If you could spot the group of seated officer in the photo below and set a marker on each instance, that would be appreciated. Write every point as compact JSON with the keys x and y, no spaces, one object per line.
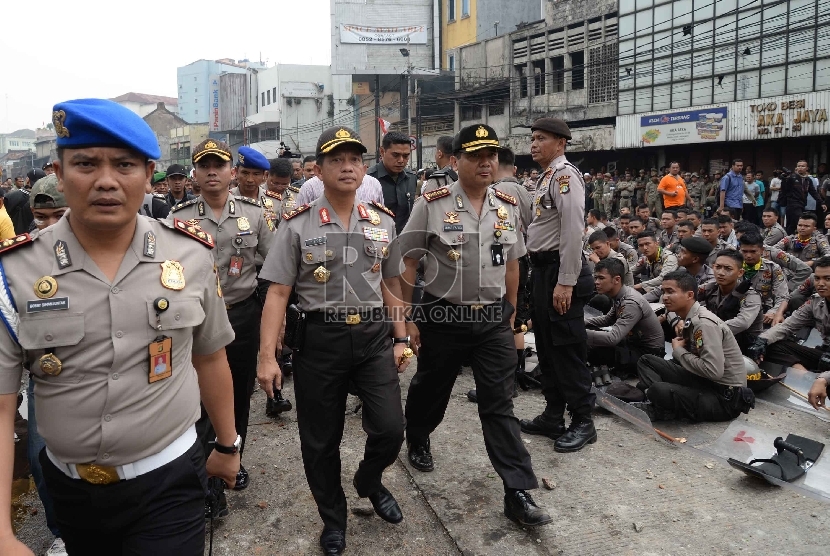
{"x":714,"y":316}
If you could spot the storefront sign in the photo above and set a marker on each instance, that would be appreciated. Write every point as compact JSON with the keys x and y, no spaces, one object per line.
{"x":790,"y":117}
{"x":213,"y":100}
{"x":362,"y":34}
{"x":677,"y":128}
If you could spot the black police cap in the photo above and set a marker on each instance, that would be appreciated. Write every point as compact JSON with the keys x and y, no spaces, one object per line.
{"x":696,"y":245}
{"x":475,"y":137}
{"x":552,"y":125}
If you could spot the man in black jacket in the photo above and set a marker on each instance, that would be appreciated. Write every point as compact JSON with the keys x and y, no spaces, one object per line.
{"x":399,"y":184}
{"x":794,"y":191}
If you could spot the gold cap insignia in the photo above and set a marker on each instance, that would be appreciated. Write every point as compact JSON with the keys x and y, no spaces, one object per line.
{"x":58,"y":117}
{"x":482,"y":132}
{"x":343,"y":134}
{"x":210,"y":145}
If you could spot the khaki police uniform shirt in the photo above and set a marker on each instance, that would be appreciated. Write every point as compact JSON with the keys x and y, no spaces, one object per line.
{"x":813,"y":314}
{"x":628,"y":277}
{"x":102,"y":408}
{"x":749,"y":317}
{"x":711,"y":350}
{"x":815,"y":248}
{"x":796,"y":271}
{"x":773,"y":234}
{"x":771,"y":284}
{"x":626,"y":189}
{"x":630,"y":253}
{"x":713,"y":254}
{"x":656,"y":270}
{"x":313,"y":241}
{"x":695,"y":189}
{"x":558,"y":219}
{"x":437,"y":180}
{"x":446,"y":227}
{"x":630,"y":318}
{"x":240,"y":230}
{"x":512,"y":187}
{"x":703,"y":276}
{"x":668,"y":240}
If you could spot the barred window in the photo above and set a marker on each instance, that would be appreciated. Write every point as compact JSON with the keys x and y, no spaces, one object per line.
{"x":602,"y":73}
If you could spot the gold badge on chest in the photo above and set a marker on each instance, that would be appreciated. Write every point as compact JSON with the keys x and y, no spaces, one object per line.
{"x":501,"y":212}
{"x":46,"y":287}
{"x":50,"y":364}
{"x":374,"y":217}
{"x":322,"y":274}
{"x":243,"y":224}
{"x":172,"y":275}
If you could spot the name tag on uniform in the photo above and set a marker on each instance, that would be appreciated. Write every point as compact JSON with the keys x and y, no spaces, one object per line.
{"x":235,"y":266}
{"x":161,"y":359}
{"x":453,"y":227}
{"x":54,"y":304}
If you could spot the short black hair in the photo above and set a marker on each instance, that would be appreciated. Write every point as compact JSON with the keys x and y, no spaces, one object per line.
{"x":281,"y":167}
{"x":647,"y":233}
{"x":309,"y":158}
{"x":626,"y":217}
{"x":772,"y":210}
{"x":599,"y":235}
{"x":394,"y":138}
{"x":686,"y":224}
{"x":603,"y":215}
{"x":444,"y":144}
{"x":610,"y":232}
{"x":752,"y":239}
{"x":709,"y":222}
{"x":596,"y":213}
{"x":685,"y":281}
{"x":694,"y":213}
{"x":506,"y":157}
{"x":724,"y":219}
{"x":638,"y":220}
{"x":667,"y":211}
{"x":732,"y":254}
{"x":745,"y":227}
{"x":642,"y":206}
{"x":736,"y":160}
{"x":614,"y":267}
{"x":822,"y":262}
{"x":809,"y":216}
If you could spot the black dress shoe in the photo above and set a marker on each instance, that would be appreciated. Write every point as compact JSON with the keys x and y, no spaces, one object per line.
{"x":420,"y":457}
{"x":216,"y":504}
{"x":386,"y":506}
{"x":520,"y":507}
{"x":242,"y":479}
{"x":276,"y":405}
{"x":287,"y":365}
{"x":333,"y":541}
{"x":580,"y":433}
{"x":544,"y":426}
{"x":472,"y":396}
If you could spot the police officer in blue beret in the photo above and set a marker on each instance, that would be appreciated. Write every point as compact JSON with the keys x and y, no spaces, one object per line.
{"x":250,"y":173}
{"x":124,"y":329}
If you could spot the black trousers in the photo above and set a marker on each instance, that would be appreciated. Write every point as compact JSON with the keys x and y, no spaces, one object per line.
{"x":161,"y":512}
{"x":486,"y":340}
{"x":623,"y":357}
{"x":674,"y":390}
{"x":333,"y":355}
{"x":788,"y":353}
{"x":793,"y":213}
{"x":242,"y":357}
{"x":561,"y":343}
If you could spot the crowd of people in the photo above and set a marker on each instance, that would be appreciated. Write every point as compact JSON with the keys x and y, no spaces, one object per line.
{"x":132,"y":296}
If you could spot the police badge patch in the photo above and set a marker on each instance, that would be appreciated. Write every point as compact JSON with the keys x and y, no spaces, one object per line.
{"x":698,"y":339}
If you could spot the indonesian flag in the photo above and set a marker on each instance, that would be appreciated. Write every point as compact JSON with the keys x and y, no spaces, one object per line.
{"x":384,"y":125}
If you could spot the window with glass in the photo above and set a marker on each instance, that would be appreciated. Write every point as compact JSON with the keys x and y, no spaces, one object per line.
{"x":465,"y":8}
{"x":450,"y":10}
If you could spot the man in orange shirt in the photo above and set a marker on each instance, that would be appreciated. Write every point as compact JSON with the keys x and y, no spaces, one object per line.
{"x":673,"y":188}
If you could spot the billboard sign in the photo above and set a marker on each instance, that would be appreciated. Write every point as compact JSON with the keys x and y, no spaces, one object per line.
{"x":677,"y":128}
{"x":363,"y":34}
{"x":213,"y":102}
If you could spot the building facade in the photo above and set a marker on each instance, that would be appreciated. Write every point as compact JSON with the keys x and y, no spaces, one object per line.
{"x":20,"y":140}
{"x":705,"y":81}
{"x":198,"y":86}
{"x":142,"y":104}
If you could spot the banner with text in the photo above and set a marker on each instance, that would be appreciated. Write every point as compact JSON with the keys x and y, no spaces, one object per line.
{"x":677,"y":128}
{"x":362,"y":34}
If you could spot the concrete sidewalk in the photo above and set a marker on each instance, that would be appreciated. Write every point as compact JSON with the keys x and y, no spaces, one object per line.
{"x":626,"y":494}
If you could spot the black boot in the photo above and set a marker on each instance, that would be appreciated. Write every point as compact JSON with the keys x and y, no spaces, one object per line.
{"x":287,"y":365}
{"x":580,"y":433}
{"x":520,"y":507}
{"x":242,"y":479}
{"x":216,"y":505}
{"x":544,"y":425}
{"x":276,"y":405}
{"x":420,"y":457}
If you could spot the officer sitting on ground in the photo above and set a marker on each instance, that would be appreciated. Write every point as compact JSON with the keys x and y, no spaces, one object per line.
{"x":706,"y":379}
{"x":767,"y":278}
{"x":634,"y":328}
{"x":807,"y":243}
{"x":776,"y":346}
{"x":601,"y":250}
{"x":655,"y":263}
{"x":691,"y":256}
{"x":733,"y":299}
{"x":621,"y":247}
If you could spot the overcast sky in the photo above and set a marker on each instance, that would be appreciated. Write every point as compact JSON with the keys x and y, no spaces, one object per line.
{"x":52,"y":50}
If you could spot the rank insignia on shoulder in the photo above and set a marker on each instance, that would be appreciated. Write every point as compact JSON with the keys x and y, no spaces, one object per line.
{"x":248,"y":200}
{"x":194,"y":231}
{"x":436,"y":194}
{"x":505,"y":197}
{"x":183,"y":205}
{"x":388,"y":211}
{"x":294,"y":188}
{"x":300,"y":209}
{"x":13,"y":242}
{"x":274,"y":195}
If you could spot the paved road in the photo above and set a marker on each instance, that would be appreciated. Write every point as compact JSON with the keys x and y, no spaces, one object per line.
{"x":626,"y":494}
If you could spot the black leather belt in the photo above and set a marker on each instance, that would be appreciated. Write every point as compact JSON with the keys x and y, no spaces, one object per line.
{"x":238,"y":304}
{"x":544,"y":258}
{"x":348,"y":316}
{"x":429,"y":299}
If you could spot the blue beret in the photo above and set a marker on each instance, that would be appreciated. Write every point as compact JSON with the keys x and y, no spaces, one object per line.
{"x":94,"y":122}
{"x":253,"y":159}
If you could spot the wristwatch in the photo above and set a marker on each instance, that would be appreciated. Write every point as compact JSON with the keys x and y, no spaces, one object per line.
{"x":404,"y":340}
{"x":233,"y":449}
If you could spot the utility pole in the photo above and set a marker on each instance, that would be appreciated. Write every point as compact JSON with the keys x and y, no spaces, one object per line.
{"x":418,"y":133}
{"x":377,"y":118}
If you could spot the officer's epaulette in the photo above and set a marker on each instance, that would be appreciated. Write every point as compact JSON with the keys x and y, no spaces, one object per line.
{"x":187,"y":204}
{"x":295,"y":212}
{"x":294,"y":188}
{"x":15,"y":242}
{"x":384,"y":208}
{"x":247,"y":200}
{"x":436,"y":194}
{"x":193,"y":231}
{"x":437,"y":174}
{"x":505,"y":197}
{"x":160,"y":196}
{"x":274,"y":195}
